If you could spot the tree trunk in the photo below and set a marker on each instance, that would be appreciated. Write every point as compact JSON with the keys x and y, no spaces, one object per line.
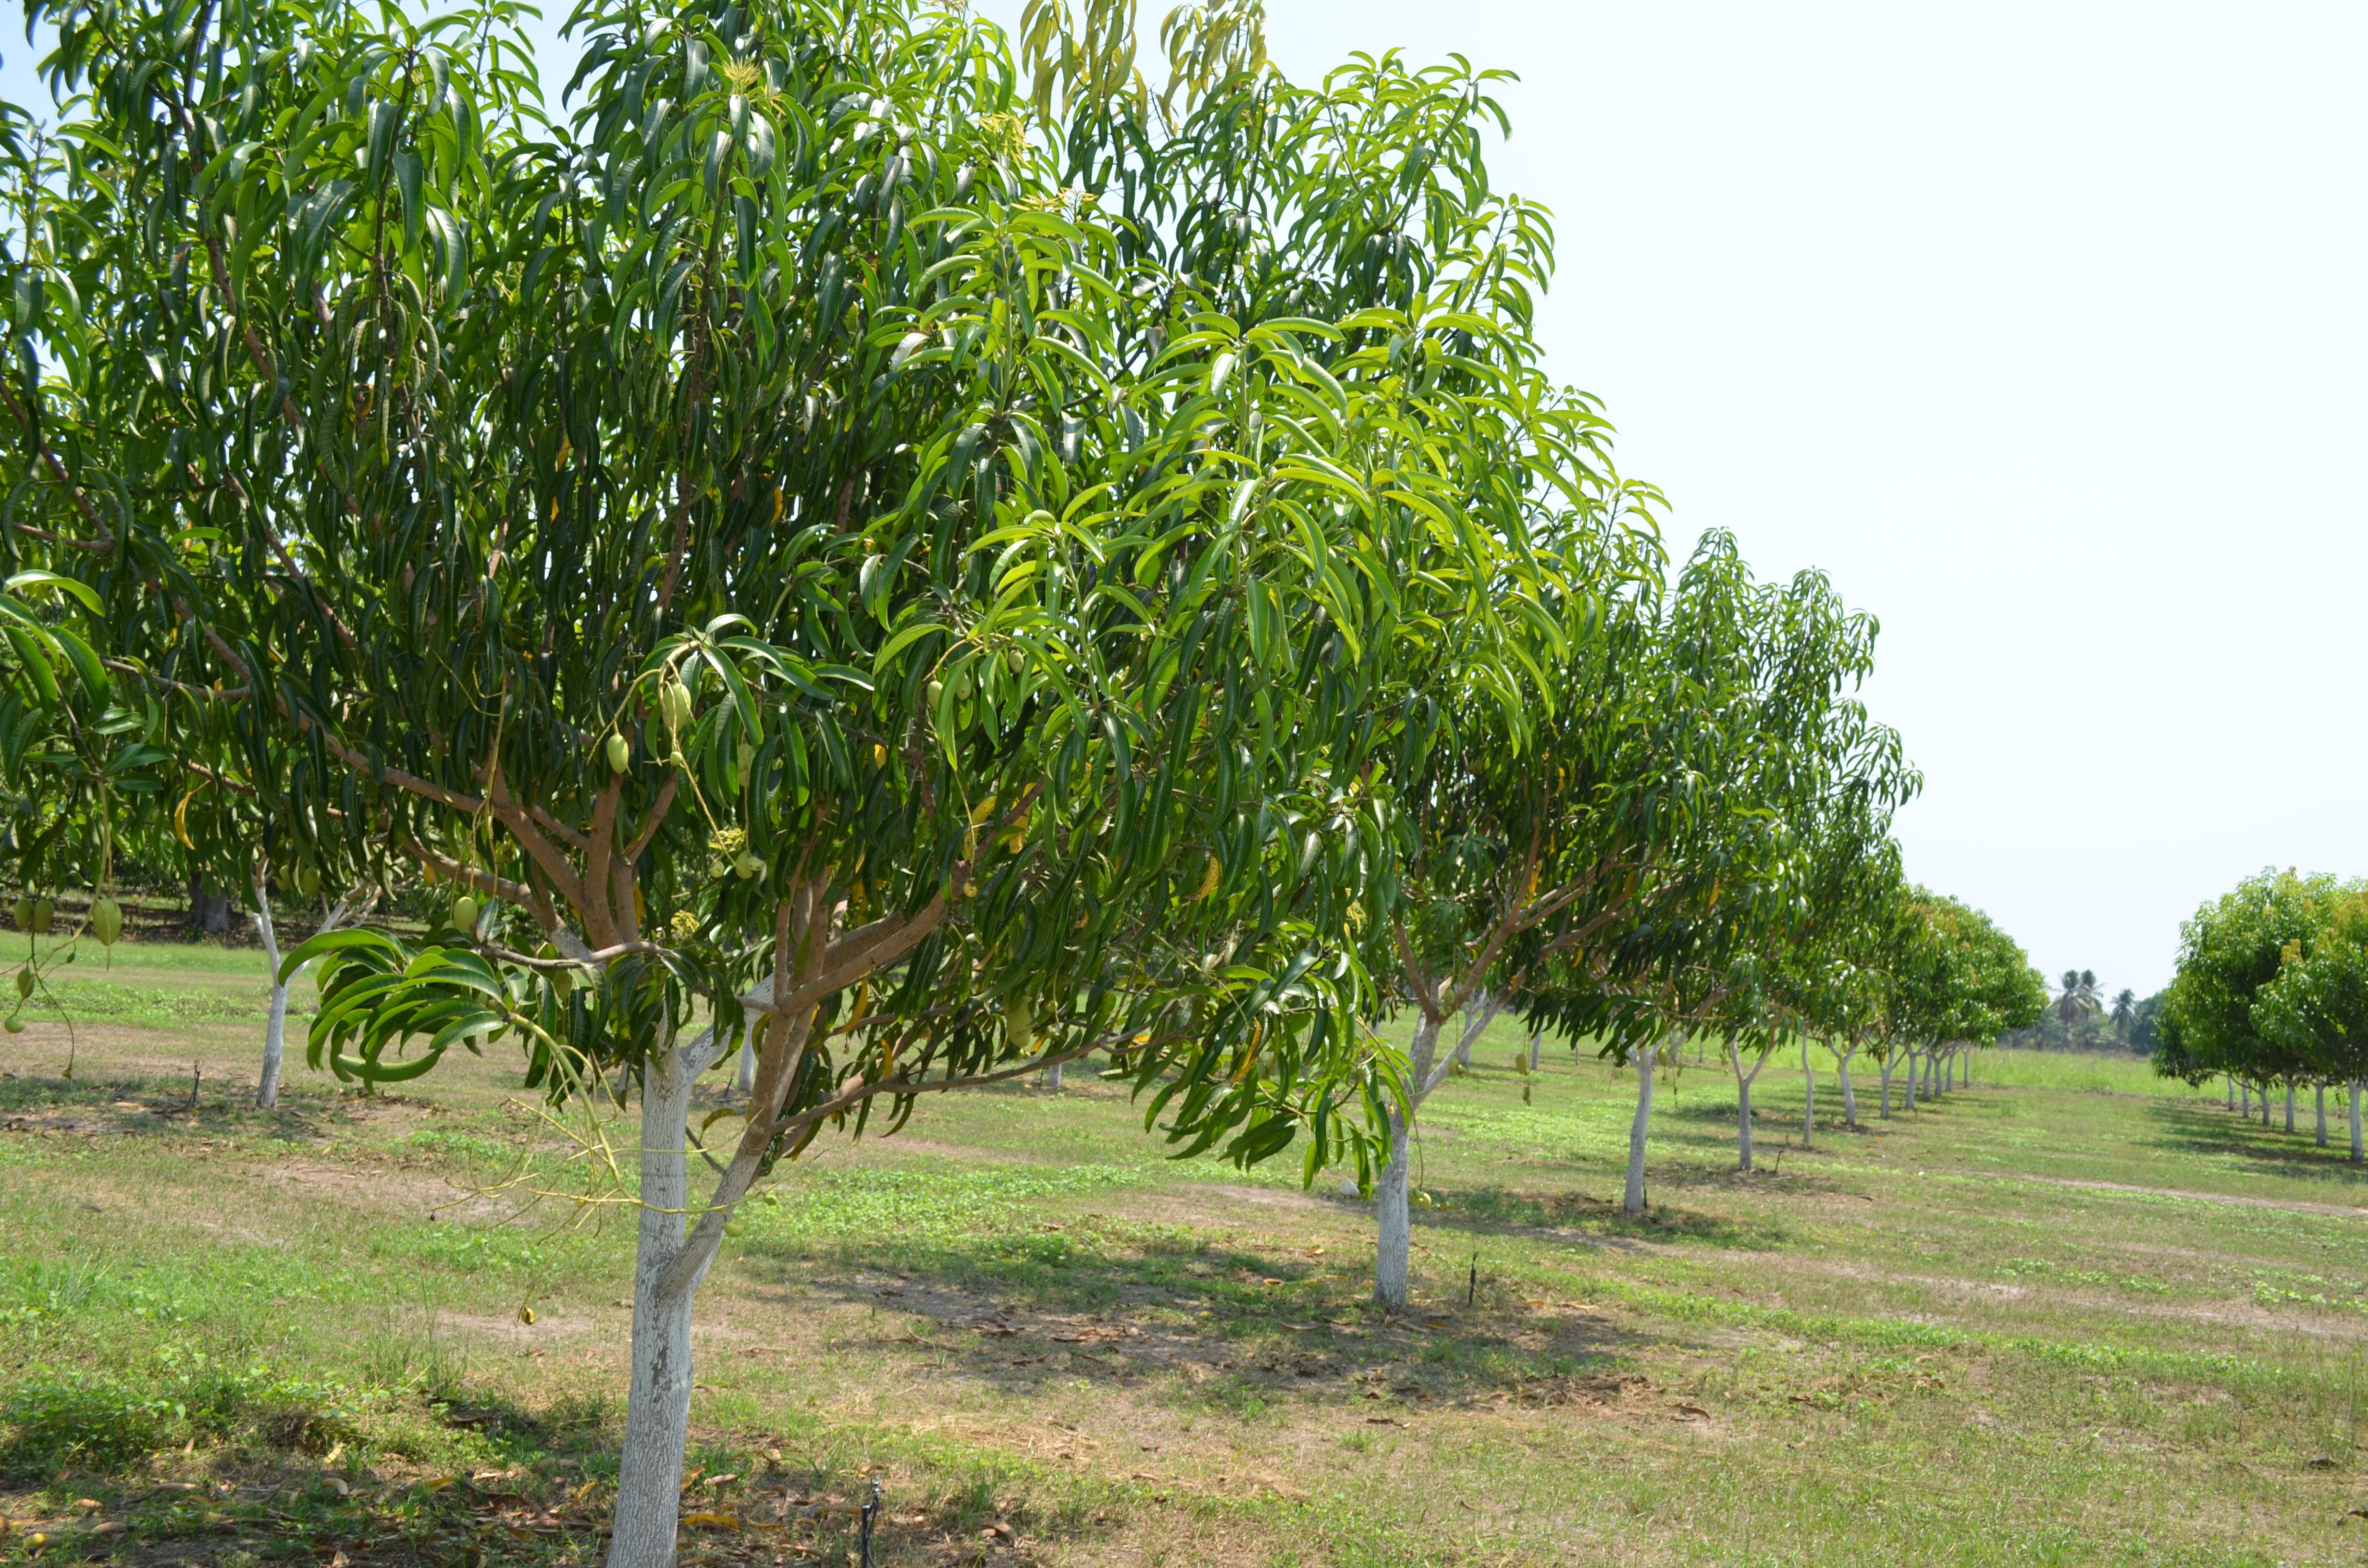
{"x":1884,"y":1062}
{"x":1395,"y":1222}
{"x":1910,"y":1087}
{"x":2290,"y":1087}
{"x":275,"y":1021}
{"x":1634,"y":1202}
{"x":1809,"y":1098}
{"x":747,"y":1078}
{"x":1742,"y":1103}
{"x":1052,"y":1075}
{"x":2230,"y":1080}
{"x":1849,"y":1100}
{"x":1533,"y":1050}
{"x":1743,"y":1122}
{"x":2245,"y":1093}
{"x":1482,"y":1007}
{"x":2265,"y":1105}
{"x":2319,"y":1089}
{"x":2355,"y":1122}
{"x":657,"y":1416}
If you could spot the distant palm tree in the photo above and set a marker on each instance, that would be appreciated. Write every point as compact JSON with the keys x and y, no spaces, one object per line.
{"x":2080,"y":999}
{"x":2125,"y":1012}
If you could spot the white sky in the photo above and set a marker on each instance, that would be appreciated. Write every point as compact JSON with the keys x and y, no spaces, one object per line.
{"x":2039,"y":326}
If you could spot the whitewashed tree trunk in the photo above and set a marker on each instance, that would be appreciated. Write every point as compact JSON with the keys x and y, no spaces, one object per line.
{"x":1052,"y":1075}
{"x":1884,"y":1062}
{"x":2229,"y":1080}
{"x":1395,"y":1229}
{"x":748,"y":1077}
{"x":1808,"y":1099}
{"x":275,"y":1021}
{"x":1743,"y":1081}
{"x":2354,"y":1097}
{"x":1908,"y":1089}
{"x":1849,"y":1100}
{"x":2319,"y":1089}
{"x":1395,"y":1220}
{"x":2246,"y":1092}
{"x":1634,"y":1202}
{"x":657,"y":1416}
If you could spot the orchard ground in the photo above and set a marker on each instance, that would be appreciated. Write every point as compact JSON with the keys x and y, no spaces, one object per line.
{"x":2071,"y":1314}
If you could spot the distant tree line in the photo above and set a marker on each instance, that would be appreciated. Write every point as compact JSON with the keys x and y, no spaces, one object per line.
{"x":2082,"y":1019}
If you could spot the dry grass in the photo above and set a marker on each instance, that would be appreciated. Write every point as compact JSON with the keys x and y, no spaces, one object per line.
{"x":2061,"y":1317}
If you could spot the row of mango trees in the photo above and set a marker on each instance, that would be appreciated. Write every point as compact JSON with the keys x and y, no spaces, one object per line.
{"x":910,"y":564}
{"x":2271,"y":994}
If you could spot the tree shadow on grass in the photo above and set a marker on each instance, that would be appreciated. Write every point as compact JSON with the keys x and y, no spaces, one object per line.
{"x":1195,"y":1323}
{"x":149,"y":1106}
{"x":2189,"y":1130}
{"x":1498,"y":1210}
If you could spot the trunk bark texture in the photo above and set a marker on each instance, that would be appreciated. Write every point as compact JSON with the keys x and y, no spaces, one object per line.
{"x":2319,"y":1090}
{"x":1634,"y":1200}
{"x":748,"y":1079}
{"x":1849,"y":1099}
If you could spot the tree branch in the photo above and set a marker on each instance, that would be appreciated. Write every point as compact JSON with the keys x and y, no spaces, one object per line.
{"x":861,"y":1092}
{"x":657,"y":816}
{"x":106,"y":540}
{"x":484,"y":881}
{"x":360,"y":763}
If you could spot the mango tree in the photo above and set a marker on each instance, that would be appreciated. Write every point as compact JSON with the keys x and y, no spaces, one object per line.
{"x":2259,"y":994}
{"x":1958,"y":981}
{"x":780,"y":555}
{"x":1367,"y":202}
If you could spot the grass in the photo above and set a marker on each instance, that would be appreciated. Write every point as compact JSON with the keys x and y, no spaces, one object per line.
{"x":2069,"y":1316}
